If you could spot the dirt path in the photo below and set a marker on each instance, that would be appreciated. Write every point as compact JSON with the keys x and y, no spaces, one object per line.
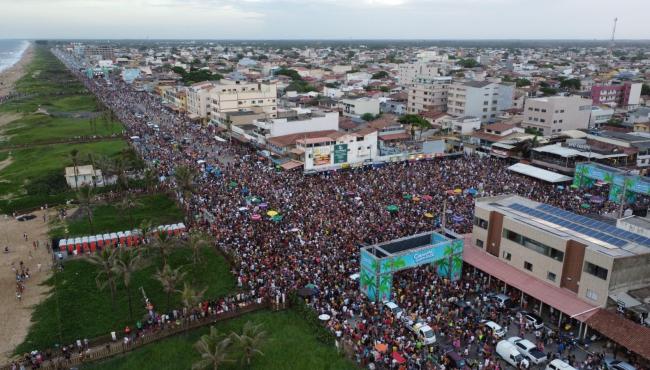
{"x":15,"y":314}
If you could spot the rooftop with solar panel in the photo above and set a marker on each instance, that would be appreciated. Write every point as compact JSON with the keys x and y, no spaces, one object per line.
{"x":595,"y":233}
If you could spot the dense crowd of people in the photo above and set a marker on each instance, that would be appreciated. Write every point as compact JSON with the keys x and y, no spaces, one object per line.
{"x":326,"y":217}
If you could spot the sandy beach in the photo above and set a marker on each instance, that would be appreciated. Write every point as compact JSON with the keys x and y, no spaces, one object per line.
{"x":9,"y":76}
{"x":16,"y":315}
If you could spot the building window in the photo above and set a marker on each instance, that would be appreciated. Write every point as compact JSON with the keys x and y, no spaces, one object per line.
{"x":550,"y":276}
{"x":480,"y":223}
{"x":596,"y":270}
{"x":507,"y":256}
{"x":534,"y":245}
{"x":479,"y":243}
{"x":528,"y":266}
{"x":591,"y":295}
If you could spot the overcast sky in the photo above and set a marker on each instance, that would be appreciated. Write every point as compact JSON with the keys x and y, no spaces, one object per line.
{"x":340,"y":19}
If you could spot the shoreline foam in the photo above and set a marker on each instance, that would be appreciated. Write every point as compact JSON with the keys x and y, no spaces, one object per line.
{"x":9,"y":76}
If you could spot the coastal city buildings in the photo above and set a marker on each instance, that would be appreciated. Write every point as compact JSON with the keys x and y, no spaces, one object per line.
{"x":555,"y":114}
{"x":480,"y":99}
{"x":230,"y":96}
{"x":428,"y":94}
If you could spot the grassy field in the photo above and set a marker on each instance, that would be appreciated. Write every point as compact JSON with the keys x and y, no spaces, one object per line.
{"x":76,"y":308}
{"x":29,"y":163}
{"x":159,"y":209}
{"x":291,"y":345}
{"x":38,"y":128}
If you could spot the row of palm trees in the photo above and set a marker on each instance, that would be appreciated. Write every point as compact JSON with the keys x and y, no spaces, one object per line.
{"x":218,"y":349}
{"x":120,"y":264}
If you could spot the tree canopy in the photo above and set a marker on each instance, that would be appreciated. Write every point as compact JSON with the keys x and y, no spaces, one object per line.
{"x":380,"y":75}
{"x":196,"y":75}
{"x":572,"y":84}
{"x":468,"y":63}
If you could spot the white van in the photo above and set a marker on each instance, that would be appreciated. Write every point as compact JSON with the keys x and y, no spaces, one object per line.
{"x":559,"y":365}
{"x":509,"y":354}
{"x":395,"y":309}
{"x":495,"y":328}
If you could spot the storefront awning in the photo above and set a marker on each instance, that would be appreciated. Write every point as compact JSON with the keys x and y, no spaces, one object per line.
{"x":558,"y":298}
{"x":625,"y":332}
{"x":289,"y":165}
{"x":539,"y":173}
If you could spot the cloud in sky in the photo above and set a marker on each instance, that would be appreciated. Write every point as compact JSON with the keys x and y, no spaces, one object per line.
{"x":304,"y":19}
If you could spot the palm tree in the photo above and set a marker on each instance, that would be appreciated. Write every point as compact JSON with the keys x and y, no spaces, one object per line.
{"x":197,"y":241}
{"x":145,"y":229}
{"x":164,"y":243}
{"x":91,"y":158}
{"x":169,"y":278}
{"x":191,"y":296}
{"x":249,"y":342}
{"x":129,"y":203}
{"x":74,"y":153}
{"x":128,"y":261}
{"x":106,"y":275}
{"x":215,"y":350}
{"x":185,"y":177}
{"x":150,"y":179}
{"x":85,"y":197}
{"x":369,"y":281}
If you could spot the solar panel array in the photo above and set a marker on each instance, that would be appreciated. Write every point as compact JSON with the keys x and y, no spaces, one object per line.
{"x":584,"y":225}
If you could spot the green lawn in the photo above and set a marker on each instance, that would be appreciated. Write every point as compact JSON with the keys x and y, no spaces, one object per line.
{"x":78,"y":309}
{"x":38,"y":128}
{"x":31,"y":162}
{"x":291,"y":345}
{"x":157,"y":208}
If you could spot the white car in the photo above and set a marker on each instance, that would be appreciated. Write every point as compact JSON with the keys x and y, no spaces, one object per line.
{"x":496,"y":329}
{"x":394,"y":308}
{"x":509,"y":353}
{"x":425,"y":332}
{"x":528,"y":350}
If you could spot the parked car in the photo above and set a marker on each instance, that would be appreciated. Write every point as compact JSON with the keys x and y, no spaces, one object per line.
{"x":508,"y":352}
{"x":532,"y":319}
{"x":612,"y":364}
{"x":558,"y":364}
{"x":456,"y":361}
{"x":528,"y":350}
{"x":502,"y":300}
{"x":424,"y":332}
{"x":394,"y":308}
{"x":495,"y":328}
{"x":25,"y":217}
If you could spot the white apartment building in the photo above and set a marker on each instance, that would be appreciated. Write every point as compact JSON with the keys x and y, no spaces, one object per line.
{"x":362,"y":78}
{"x":465,"y":125}
{"x":409,"y":72}
{"x":359,"y":107}
{"x":557,"y":113}
{"x":428,"y":94}
{"x":239,"y":96}
{"x":198,"y":100}
{"x":299,"y":120}
{"x":338,"y":150}
{"x":600,"y":115}
{"x":482,"y":99}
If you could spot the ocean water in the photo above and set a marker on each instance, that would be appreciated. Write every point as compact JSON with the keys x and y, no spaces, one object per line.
{"x":11,"y":51}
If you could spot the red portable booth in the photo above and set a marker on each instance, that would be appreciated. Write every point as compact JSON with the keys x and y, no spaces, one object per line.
{"x":84,"y":242}
{"x":92,"y":241}
{"x":121,"y":238}
{"x":114,"y":238}
{"x":77,"y":245}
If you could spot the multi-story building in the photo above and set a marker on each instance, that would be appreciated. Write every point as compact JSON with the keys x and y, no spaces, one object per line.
{"x":338,"y":150}
{"x":626,"y":95}
{"x":590,"y":258}
{"x":557,"y":113}
{"x":229,"y":96}
{"x":359,"y":107}
{"x":482,"y":99}
{"x":600,"y":115}
{"x":198,"y":100}
{"x":296,"y":121}
{"x":409,"y":73}
{"x":428,"y":94}
{"x":104,"y":52}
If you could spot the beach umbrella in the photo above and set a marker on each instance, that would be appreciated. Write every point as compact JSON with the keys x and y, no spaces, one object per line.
{"x":381,"y":347}
{"x":458,"y":191}
{"x":450,"y":192}
{"x":597,"y":199}
{"x":349,"y":193}
{"x":256,"y":217}
{"x":276,"y":218}
{"x":242,"y":209}
{"x":457,"y":218}
{"x":306,"y":292}
{"x":324,"y":317}
{"x":256,"y":200}
{"x":264,"y":205}
{"x":416,"y":199}
{"x":472,"y":191}
{"x":232,"y":184}
{"x":428,"y":215}
{"x":310,"y":285}
{"x":271,"y":213}
{"x":584,"y":205}
{"x":560,"y":187}
{"x":408,"y":196}
{"x":573,"y":186}
{"x":398,"y":358}
{"x":392,"y":208}
{"x":427,"y":198}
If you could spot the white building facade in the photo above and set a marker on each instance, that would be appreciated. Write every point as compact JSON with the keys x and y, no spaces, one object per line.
{"x":237,"y":96}
{"x":482,"y":99}
{"x":555,"y":114}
